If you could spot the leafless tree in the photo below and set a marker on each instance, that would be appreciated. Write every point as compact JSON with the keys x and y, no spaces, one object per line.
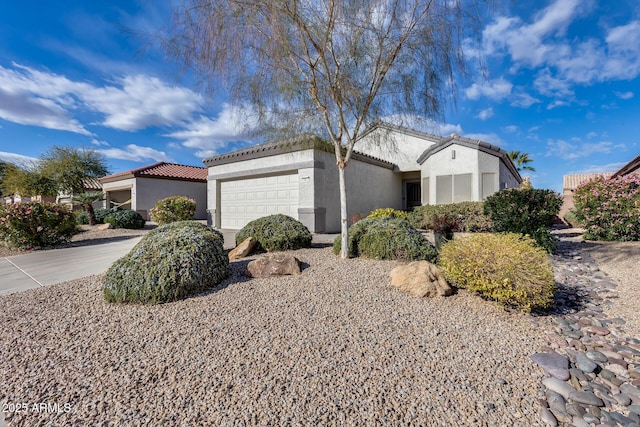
{"x":326,"y":66}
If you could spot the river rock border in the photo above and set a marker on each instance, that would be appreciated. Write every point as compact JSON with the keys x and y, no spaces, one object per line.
{"x":593,"y":366}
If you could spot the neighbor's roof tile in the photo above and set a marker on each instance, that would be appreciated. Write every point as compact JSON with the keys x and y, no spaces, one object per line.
{"x":163,"y":170}
{"x":572,"y":181}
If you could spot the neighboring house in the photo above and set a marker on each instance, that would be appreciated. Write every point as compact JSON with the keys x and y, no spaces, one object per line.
{"x":633,"y":167}
{"x":394,"y":167}
{"x":139,"y":189}
{"x":569,"y":185}
{"x":90,"y":185}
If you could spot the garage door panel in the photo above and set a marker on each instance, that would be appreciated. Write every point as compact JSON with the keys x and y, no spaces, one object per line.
{"x":244,"y":200}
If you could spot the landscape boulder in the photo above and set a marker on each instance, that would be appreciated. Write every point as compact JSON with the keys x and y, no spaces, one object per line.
{"x":277,"y":264}
{"x":420,"y":278}
{"x":243,"y":249}
{"x":105,"y":226}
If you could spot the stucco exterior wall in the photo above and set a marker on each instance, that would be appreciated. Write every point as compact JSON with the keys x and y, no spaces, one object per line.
{"x":120,"y":191}
{"x":507,"y":180}
{"x":369,"y":186}
{"x":399,"y":148}
{"x":150,"y":190}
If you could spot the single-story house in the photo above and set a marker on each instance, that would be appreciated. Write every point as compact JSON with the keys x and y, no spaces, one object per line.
{"x":393,"y":167}
{"x":90,"y":185}
{"x":139,"y":189}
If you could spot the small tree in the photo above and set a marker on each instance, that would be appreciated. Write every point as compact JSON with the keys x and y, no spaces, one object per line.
{"x":326,"y":65}
{"x":26,"y":181}
{"x":70,"y":167}
{"x":87,"y":200}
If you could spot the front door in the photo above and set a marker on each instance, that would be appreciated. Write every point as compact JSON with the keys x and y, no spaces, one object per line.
{"x":413,"y":195}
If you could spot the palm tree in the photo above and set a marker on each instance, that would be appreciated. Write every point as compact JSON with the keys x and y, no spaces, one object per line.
{"x":86,"y":200}
{"x":520,"y":160}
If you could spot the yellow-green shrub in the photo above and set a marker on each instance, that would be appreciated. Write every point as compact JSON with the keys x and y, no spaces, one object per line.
{"x":508,"y":268}
{"x":383,"y":212}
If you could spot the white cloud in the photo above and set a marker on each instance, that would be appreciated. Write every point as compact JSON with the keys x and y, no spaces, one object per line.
{"x":130,"y":103}
{"x":557,"y":103}
{"x":608,"y":167}
{"x":624,"y":95}
{"x":523,"y":100}
{"x":99,"y":143}
{"x":485,"y":114}
{"x":209,"y":136}
{"x":607,"y":53}
{"x":18,"y":159}
{"x":494,"y":89}
{"x":591,"y":135}
{"x":579,"y":149}
{"x":135,"y":153}
{"x":510,"y":129}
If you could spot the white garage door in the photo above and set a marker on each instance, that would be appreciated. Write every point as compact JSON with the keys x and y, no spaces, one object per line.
{"x":244,"y":200}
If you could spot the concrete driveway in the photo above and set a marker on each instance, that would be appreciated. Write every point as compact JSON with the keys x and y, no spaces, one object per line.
{"x":43,"y":268}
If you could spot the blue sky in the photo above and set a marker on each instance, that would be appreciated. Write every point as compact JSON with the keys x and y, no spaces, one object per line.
{"x":561,"y":82}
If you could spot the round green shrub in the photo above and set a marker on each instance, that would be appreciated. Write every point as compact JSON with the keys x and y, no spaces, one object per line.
{"x":387,"y":238}
{"x":524,"y":211}
{"x":174,"y":208}
{"x":276,"y":233}
{"x":169,"y":263}
{"x":82,"y":217}
{"x":125,"y":219}
{"x":383,"y":212}
{"x":508,"y":268}
{"x":35,"y":224}
{"x":101,"y":213}
{"x":609,"y":208}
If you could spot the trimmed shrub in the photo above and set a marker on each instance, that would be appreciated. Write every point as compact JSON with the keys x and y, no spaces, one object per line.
{"x":174,"y":208}
{"x":35,"y":224}
{"x":168,"y":264}
{"x":125,"y":219}
{"x":82,"y":217}
{"x":471,"y":216}
{"x":507,"y":268}
{"x":387,"y":238}
{"x":609,"y":209}
{"x":101,"y":213}
{"x":393,"y":213}
{"x":276,"y":233}
{"x":525,"y":211}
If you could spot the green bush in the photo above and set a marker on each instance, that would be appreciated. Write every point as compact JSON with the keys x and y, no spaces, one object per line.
{"x":174,"y":208}
{"x":276,"y":233}
{"x":525,"y":211}
{"x":383,"y":212}
{"x":169,"y":263}
{"x":471,"y":216}
{"x":125,"y":219}
{"x":387,"y":238}
{"x":101,"y":213}
{"x":82,"y":217}
{"x":609,"y":209}
{"x":507,"y":268}
{"x":35,"y":224}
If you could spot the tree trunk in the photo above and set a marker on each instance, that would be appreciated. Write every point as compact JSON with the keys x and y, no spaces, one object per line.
{"x":91,"y":214}
{"x":344,"y":252}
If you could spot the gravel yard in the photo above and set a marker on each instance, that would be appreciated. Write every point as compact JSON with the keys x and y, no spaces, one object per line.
{"x":333,"y":346}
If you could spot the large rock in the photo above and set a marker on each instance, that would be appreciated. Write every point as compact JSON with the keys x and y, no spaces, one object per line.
{"x":273,"y":265}
{"x":243,"y":249}
{"x":420,"y":278}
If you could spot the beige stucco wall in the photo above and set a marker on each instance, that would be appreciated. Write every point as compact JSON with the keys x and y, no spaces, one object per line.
{"x":150,"y":190}
{"x":398,"y":148}
{"x":467,"y":161}
{"x":368,"y":186}
{"x":145,"y":192}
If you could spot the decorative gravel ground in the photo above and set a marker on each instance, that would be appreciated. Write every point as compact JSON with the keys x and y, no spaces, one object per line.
{"x":333,"y":346}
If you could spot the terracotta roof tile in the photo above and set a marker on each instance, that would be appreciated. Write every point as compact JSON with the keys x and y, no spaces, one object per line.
{"x":164,"y":170}
{"x":572,"y":181}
